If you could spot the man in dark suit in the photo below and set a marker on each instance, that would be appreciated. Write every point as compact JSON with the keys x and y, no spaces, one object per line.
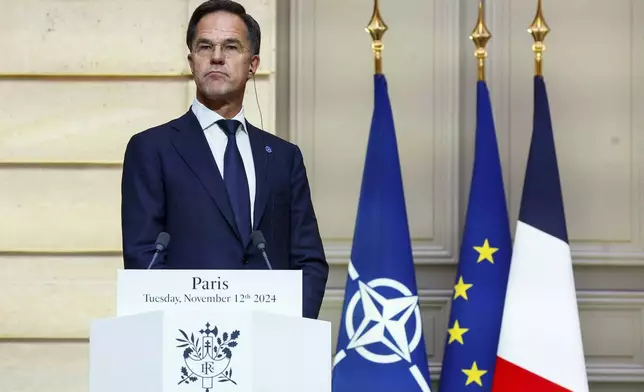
{"x":209,"y":178}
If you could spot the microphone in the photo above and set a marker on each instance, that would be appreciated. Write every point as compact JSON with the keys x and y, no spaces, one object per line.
{"x":162,"y":243}
{"x":257,"y":238}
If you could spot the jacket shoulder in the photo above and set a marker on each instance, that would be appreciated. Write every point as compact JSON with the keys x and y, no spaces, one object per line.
{"x":161,"y":132}
{"x":158,"y":130}
{"x":275,"y":142}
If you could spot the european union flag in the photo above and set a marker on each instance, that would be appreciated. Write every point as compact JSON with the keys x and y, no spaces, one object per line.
{"x":381,"y":346}
{"x":483,"y":268}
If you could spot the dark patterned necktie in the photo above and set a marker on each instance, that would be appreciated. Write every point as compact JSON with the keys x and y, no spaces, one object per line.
{"x":236,"y":180}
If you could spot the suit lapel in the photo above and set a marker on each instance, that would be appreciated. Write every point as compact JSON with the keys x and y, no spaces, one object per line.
{"x":261,"y":158}
{"x":190,"y":142}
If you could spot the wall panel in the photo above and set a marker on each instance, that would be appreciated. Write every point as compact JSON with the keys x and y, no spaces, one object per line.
{"x":592,"y":86}
{"x":56,"y":297}
{"x":44,"y":366}
{"x":60,"y":209}
{"x":98,"y":37}
{"x":82,"y":120}
{"x":332,"y":108}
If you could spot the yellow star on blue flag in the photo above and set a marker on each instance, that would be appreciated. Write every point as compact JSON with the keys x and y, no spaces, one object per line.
{"x":483,"y":268}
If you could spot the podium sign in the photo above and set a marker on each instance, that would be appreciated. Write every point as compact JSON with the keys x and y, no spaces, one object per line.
{"x":221,"y":351}
{"x":274,"y":291}
{"x":210,"y":331}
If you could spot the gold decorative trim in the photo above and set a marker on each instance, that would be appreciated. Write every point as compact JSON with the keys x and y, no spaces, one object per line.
{"x":539,"y":29}
{"x":59,"y":165}
{"x":481,"y":36}
{"x":43,"y":340}
{"x":68,"y":252}
{"x":377,"y":28}
{"x":113,"y":77}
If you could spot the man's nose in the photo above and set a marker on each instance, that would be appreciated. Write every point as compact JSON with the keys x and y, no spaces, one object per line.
{"x":217,"y":55}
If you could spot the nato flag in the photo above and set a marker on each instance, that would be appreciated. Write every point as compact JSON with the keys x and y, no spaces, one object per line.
{"x":482,"y":274}
{"x":381,"y":346}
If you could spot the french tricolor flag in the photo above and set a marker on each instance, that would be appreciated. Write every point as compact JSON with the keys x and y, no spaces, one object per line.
{"x":540,"y":347}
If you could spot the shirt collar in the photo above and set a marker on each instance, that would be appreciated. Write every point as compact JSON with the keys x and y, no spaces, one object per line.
{"x":208,"y":118}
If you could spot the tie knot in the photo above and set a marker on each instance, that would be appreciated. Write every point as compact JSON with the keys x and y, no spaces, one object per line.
{"x":229,"y":126}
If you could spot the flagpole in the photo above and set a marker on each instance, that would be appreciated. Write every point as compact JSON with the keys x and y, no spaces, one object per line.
{"x":480,"y":35}
{"x":539,"y":29}
{"x":377,"y":29}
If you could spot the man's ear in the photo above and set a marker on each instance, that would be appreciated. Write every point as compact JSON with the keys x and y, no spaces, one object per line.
{"x":254,"y":65}
{"x":191,"y":63}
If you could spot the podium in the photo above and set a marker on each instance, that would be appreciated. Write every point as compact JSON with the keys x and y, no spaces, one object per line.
{"x":211,"y":331}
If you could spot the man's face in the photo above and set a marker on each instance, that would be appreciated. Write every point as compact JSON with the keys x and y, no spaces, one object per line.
{"x":220,"y":58}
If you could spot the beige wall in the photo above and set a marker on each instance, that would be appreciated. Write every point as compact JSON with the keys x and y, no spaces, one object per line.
{"x":62,"y":140}
{"x":595,"y":87}
{"x":61,"y":144}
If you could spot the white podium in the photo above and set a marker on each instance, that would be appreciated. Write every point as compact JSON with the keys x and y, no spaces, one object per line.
{"x":237,"y":330}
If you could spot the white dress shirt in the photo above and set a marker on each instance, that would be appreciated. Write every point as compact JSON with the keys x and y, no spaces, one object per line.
{"x":217,"y":140}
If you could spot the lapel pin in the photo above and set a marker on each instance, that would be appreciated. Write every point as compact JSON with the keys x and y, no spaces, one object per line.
{"x":268,"y":149}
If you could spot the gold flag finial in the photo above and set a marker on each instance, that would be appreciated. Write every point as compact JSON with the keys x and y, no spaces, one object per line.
{"x":377,"y":28}
{"x":480,"y":35}
{"x":539,"y":29}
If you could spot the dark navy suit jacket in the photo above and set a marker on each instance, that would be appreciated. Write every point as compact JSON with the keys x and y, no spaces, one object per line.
{"x":171,"y":183}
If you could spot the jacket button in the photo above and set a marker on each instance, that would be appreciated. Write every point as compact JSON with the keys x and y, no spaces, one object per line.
{"x":244,"y":260}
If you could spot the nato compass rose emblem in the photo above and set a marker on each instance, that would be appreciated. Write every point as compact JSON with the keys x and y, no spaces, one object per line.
{"x":384,"y":322}
{"x":207,"y":358}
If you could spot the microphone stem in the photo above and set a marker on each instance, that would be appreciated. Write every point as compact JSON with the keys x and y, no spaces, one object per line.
{"x":268,"y":263}
{"x":154,"y":258}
